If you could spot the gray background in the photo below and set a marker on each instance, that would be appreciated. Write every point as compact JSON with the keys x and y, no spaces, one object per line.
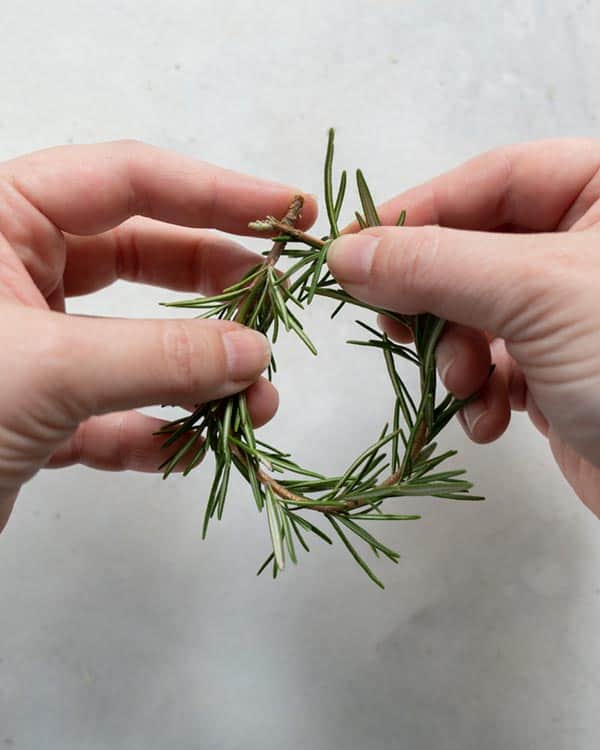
{"x":119,"y":628}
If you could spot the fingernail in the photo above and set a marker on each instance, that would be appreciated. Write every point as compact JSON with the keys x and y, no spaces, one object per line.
{"x":446,"y":357}
{"x":350,"y":258}
{"x":473,"y":413}
{"x":247,"y":352}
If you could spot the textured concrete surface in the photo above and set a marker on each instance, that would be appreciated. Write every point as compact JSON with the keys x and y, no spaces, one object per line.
{"x":119,"y":628}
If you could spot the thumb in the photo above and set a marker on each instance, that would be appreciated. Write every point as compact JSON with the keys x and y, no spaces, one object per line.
{"x":481,"y":279}
{"x":104,"y":365}
{"x":66,"y":368}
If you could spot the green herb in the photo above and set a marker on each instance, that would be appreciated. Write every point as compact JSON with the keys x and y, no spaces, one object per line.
{"x":262,"y":300}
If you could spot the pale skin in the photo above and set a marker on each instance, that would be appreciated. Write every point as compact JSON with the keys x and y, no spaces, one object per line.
{"x":504,"y":247}
{"x":69,"y":385}
{"x":507,"y":248}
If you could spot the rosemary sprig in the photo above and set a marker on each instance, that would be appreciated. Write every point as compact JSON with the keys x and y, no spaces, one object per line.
{"x":263,"y":300}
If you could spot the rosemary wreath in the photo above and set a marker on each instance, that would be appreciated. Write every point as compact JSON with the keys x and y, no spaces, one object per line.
{"x":406,"y":449}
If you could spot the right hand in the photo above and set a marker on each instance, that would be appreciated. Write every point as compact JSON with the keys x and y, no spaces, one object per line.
{"x":514,"y":265}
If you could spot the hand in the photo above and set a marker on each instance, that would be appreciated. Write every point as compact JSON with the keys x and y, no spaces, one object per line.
{"x":515,"y":265}
{"x":68,"y":383}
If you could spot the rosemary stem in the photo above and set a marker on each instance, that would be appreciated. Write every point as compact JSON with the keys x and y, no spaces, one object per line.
{"x":287,"y":223}
{"x":297,"y":234}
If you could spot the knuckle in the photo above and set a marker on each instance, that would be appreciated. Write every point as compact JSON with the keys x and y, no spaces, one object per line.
{"x":189,"y":360}
{"x":134,"y":154}
{"x":77,"y":444}
{"x":53,"y":373}
{"x":557,"y":269}
{"x":178,"y":353}
{"x":409,"y":262}
{"x":44,"y":386}
{"x":51,"y":348}
{"x":540,"y":280}
{"x":128,"y":259}
{"x":36,"y":241}
{"x":199,"y":266}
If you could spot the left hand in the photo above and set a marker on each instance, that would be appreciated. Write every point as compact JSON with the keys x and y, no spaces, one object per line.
{"x":68,"y":383}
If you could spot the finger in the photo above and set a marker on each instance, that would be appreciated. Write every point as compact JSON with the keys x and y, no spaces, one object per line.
{"x":6,"y":505}
{"x":15,"y":283}
{"x":56,"y":299}
{"x":462,"y":355}
{"x":457,"y":275}
{"x":463,"y":360}
{"x":486,"y":418}
{"x":123,"y":441}
{"x":394,"y":329}
{"x":118,"y":441}
{"x":263,"y":402}
{"x":86,"y":189}
{"x":152,"y":252}
{"x":582,"y":475}
{"x":519,"y":395}
{"x":529,"y":185}
{"x":512,"y":375}
{"x":100,"y":365}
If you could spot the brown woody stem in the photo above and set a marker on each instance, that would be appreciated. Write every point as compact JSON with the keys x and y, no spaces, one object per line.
{"x":297,"y":234}
{"x":292,"y":215}
{"x":287,"y":223}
